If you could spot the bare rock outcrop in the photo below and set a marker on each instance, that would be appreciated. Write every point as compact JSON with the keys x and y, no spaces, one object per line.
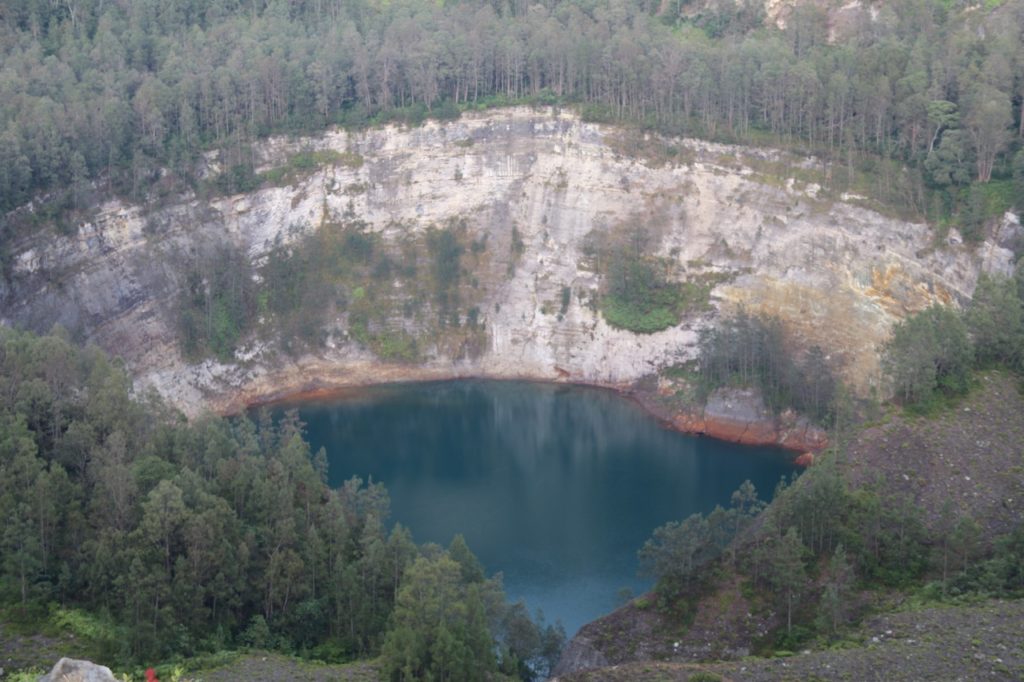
{"x":579,"y":654}
{"x":740,"y":416}
{"x":77,"y":670}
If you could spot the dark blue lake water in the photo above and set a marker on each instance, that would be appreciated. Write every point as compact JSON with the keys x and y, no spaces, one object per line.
{"x":556,"y":487}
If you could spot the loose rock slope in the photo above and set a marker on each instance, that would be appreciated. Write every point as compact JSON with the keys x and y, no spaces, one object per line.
{"x":942,"y":643}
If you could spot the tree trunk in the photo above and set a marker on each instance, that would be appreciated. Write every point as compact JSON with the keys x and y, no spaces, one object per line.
{"x":789,"y":612}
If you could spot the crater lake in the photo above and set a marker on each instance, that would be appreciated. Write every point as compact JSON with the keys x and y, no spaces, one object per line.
{"x":555,"y":486}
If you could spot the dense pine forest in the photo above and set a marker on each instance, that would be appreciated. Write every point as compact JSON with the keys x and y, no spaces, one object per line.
{"x":124,"y":96}
{"x":169,"y":538}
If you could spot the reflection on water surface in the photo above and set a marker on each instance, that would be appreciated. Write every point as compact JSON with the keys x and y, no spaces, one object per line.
{"x":557,"y":487}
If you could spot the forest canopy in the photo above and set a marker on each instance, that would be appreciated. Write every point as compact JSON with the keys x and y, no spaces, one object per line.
{"x":124,"y":96}
{"x":181,"y":537}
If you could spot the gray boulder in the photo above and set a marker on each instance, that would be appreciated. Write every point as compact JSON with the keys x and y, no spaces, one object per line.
{"x":73,"y":670}
{"x":581,"y":654}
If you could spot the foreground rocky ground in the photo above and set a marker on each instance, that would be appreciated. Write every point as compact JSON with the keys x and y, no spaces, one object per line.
{"x":980,"y":642}
{"x":23,"y":651}
{"x":976,"y":642}
{"x":256,"y":666}
{"x":276,"y":668}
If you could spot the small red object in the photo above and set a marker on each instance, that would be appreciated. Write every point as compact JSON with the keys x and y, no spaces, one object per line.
{"x":151,"y":675}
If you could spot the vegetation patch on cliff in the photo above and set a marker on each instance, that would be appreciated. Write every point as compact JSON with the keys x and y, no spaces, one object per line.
{"x":747,"y":350}
{"x":340,"y":281}
{"x":239,"y":174}
{"x":641,"y":291}
{"x":305,"y":163}
{"x":639,"y":299}
{"x":217,"y":303}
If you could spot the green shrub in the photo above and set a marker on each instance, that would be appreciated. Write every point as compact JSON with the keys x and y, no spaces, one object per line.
{"x":101,"y":637}
{"x":929,"y":353}
{"x":395,"y":345}
{"x":236,"y":179}
{"x":305,"y":163}
{"x":638,"y":297}
{"x":217,"y":304}
{"x":257,"y":634}
{"x":793,"y":640}
{"x":981,"y":203}
{"x":995,"y":320}
{"x":597,"y":113}
{"x":566,"y":299}
{"x":446,"y":269}
{"x":85,"y":625}
{"x":623,"y":315}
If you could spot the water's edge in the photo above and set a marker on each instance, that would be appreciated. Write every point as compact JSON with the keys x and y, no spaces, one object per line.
{"x":736,"y":418}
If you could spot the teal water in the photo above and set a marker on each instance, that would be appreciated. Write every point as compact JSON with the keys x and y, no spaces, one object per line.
{"x":556,"y":487}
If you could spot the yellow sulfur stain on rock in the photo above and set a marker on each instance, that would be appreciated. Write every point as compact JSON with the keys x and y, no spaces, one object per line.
{"x":900,"y":293}
{"x":850,"y":319}
{"x":849,"y":325}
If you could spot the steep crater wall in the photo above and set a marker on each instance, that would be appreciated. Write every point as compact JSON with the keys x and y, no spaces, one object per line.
{"x":837,"y":274}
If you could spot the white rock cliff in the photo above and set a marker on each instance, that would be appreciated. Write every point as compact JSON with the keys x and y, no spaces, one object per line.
{"x":838,"y":275}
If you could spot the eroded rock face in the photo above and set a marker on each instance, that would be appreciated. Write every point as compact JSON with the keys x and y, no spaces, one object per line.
{"x":75,"y":670}
{"x":740,"y":416}
{"x":837,"y":274}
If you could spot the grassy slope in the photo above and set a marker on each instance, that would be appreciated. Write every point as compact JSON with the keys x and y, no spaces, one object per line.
{"x":32,"y":645}
{"x":35,"y":654}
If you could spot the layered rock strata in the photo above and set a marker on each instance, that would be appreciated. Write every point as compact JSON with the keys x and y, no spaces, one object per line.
{"x":837,"y":274}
